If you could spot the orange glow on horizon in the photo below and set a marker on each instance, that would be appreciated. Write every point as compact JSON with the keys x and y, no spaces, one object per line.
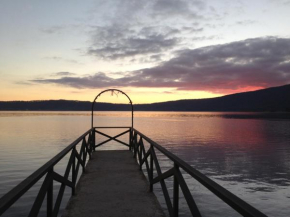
{"x":137,"y":95}
{"x":242,"y":89}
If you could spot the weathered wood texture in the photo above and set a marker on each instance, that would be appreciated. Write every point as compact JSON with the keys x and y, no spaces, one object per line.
{"x":113,"y":185}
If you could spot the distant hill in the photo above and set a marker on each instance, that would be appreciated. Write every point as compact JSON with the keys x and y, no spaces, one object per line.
{"x":265,"y":100}
{"x":270,"y":99}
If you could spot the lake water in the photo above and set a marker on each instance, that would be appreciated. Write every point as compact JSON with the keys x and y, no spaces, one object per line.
{"x":247,"y":153}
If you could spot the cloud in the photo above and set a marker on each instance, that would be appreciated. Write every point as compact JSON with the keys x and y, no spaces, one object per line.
{"x":226,"y":68}
{"x":60,"y":29}
{"x":246,"y":22}
{"x":128,"y":11}
{"x":178,"y":8}
{"x":137,"y":29}
{"x":23,"y":83}
{"x":62,"y":74}
{"x":56,"y":58}
{"x":281,"y":2}
{"x":204,"y":38}
{"x":191,"y":29}
{"x":115,"y":42}
{"x":53,"y":29}
{"x":98,"y":80}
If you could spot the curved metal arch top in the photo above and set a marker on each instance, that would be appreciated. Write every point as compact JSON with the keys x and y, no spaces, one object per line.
{"x":112,"y":90}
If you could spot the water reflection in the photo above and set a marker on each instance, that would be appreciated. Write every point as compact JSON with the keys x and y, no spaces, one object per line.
{"x":247,"y":153}
{"x":249,"y":157}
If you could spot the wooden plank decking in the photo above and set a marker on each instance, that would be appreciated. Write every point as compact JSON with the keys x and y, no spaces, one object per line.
{"x":113,"y":185}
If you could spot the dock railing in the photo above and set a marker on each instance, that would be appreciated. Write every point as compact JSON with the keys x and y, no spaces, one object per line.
{"x":148,"y":157}
{"x":77,"y":159}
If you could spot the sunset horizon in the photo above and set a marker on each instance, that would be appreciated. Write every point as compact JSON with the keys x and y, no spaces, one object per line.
{"x":156,"y":51}
{"x":113,"y":97}
{"x":145,"y":108}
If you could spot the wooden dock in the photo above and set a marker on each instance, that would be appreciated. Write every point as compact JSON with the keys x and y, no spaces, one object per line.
{"x":113,"y":185}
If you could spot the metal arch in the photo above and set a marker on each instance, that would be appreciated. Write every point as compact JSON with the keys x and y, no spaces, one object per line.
{"x":132,"y":110}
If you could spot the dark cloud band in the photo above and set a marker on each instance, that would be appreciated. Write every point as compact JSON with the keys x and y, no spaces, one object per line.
{"x":259,"y":62}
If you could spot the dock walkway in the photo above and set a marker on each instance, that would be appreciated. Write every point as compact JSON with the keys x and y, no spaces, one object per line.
{"x":113,"y":185}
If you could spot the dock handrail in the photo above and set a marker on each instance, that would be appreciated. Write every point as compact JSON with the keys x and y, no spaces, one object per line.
{"x":137,"y":147}
{"x":142,"y":156}
{"x":76,"y":160}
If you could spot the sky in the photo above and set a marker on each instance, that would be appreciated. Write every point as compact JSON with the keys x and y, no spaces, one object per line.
{"x":154,"y":50}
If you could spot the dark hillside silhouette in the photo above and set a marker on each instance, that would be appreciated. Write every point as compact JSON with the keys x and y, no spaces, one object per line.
{"x":265,"y":100}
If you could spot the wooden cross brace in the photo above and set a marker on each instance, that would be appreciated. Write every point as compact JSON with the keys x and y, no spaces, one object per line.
{"x":112,"y":138}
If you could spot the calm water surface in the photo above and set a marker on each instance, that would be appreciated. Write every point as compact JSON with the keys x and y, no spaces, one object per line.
{"x":247,"y":153}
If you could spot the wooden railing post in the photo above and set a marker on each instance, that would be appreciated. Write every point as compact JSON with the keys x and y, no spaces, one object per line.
{"x":130,"y":139}
{"x":151,"y":169}
{"x":139,"y":149}
{"x":93,"y":145}
{"x":74,"y":178}
{"x":49,"y":197}
{"x":135,"y":145}
{"x":175,"y":193}
{"x":84,"y":152}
